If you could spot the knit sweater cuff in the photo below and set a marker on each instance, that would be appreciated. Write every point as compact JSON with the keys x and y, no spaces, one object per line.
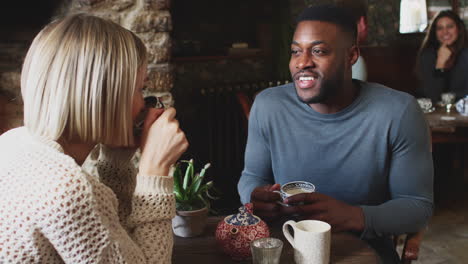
{"x":117,"y":155}
{"x":152,"y":184}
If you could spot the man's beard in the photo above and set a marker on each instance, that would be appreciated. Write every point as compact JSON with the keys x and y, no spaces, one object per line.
{"x":328,"y":89}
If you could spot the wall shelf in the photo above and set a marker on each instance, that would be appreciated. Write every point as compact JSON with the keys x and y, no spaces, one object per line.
{"x":215,"y":57}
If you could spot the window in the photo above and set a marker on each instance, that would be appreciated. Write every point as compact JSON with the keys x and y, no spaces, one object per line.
{"x":463,"y":11}
{"x":435,"y":6}
{"x":413,"y":16}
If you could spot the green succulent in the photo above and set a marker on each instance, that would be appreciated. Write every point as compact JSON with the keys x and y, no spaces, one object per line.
{"x":191,"y":192}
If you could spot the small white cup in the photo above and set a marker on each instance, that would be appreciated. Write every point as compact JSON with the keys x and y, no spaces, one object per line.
{"x":425,"y":104}
{"x":311,"y":241}
{"x":448,"y":98}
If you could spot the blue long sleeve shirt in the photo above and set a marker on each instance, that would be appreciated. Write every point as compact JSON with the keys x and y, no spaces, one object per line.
{"x":375,"y":153}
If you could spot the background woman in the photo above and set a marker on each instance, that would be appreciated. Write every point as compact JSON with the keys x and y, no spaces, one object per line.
{"x":443,"y":58}
{"x":81,"y":84}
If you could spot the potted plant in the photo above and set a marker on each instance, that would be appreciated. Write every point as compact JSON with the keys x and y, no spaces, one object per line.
{"x":192,"y":199}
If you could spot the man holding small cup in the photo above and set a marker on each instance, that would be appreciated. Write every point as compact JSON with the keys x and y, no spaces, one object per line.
{"x":364,"y":146}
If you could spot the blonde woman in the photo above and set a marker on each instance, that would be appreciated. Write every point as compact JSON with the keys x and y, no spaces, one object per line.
{"x":81,"y":84}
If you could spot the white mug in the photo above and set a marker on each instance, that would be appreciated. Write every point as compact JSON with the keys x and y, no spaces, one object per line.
{"x":311,"y":241}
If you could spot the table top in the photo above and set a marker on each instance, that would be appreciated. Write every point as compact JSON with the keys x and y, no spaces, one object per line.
{"x":440,"y":118}
{"x":345,"y":248}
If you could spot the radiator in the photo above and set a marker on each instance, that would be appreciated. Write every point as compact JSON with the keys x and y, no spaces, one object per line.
{"x":220,"y":137}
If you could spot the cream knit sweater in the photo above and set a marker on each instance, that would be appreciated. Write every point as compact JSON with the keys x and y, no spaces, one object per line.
{"x":54,"y":211}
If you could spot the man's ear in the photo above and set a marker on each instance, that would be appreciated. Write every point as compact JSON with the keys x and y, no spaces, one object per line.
{"x":353,"y":54}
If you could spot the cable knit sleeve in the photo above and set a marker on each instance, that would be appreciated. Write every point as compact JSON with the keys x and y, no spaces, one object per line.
{"x":54,"y":211}
{"x":146,"y":202}
{"x":78,"y":217}
{"x":153,"y":207}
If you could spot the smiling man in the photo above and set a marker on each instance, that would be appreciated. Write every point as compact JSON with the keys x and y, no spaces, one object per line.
{"x":365,"y":147}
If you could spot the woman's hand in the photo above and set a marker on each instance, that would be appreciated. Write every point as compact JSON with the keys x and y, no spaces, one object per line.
{"x":443,"y":55}
{"x":162,"y":142}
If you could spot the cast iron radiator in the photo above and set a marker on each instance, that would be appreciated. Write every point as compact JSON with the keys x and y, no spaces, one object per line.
{"x":218,"y":134}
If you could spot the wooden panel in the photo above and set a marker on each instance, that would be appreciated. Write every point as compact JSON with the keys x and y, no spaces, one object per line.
{"x":392,"y":66}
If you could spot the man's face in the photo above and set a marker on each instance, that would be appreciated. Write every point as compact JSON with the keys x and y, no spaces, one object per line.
{"x":320,"y":60}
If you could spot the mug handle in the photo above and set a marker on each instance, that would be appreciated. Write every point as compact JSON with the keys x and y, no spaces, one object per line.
{"x":286,"y":233}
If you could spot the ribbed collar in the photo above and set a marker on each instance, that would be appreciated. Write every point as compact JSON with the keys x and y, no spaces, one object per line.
{"x":44,"y":140}
{"x":343,"y":114}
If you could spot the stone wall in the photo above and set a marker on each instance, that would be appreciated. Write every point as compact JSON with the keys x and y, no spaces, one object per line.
{"x":11,"y":105}
{"x":149,"y":19}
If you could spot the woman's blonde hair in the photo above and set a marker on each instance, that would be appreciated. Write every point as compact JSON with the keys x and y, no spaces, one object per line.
{"x":78,"y":80}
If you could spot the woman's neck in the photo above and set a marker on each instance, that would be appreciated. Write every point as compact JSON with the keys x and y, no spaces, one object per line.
{"x":79,"y":151}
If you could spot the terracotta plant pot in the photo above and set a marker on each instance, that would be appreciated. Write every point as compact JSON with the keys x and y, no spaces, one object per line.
{"x":189,"y":223}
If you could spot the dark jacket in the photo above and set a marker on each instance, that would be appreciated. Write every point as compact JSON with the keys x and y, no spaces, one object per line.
{"x":434,"y":83}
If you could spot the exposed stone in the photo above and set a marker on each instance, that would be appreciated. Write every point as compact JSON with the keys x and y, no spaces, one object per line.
{"x":7,"y":123}
{"x":12,"y":55}
{"x":165,"y":97}
{"x":10,"y":83}
{"x":112,"y":10}
{"x":89,"y":2}
{"x":158,"y":4}
{"x":12,"y":108}
{"x":115,"y":17}
{"x":158,"y":45}
{"x":160,"y":78}
{"x":11,"y":113}
{"x":120,"y":5}
{"x":151,"y":21}
{"x":107,"y":9}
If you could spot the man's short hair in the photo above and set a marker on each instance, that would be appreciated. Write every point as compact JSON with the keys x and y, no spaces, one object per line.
{"x":331,"y":14}
{"x":78,"y":81}
{"x":357,"y":8}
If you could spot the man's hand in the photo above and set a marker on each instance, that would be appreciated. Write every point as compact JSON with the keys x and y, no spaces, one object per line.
{"x":264,"y":202}
{"x":317,"y":206}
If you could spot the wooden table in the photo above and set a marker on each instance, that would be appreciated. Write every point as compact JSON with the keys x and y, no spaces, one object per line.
{"x":440,"y":118}
{"x":446,"y":127}
{"x":345,"y":248}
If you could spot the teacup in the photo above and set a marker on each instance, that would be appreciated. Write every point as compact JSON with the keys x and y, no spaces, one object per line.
{"x":425,"y":104}
{"x":295,"y":187}
{"x":448,"y":98}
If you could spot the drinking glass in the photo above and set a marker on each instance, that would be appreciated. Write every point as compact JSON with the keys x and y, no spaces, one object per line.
{"x":266,"y":250}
